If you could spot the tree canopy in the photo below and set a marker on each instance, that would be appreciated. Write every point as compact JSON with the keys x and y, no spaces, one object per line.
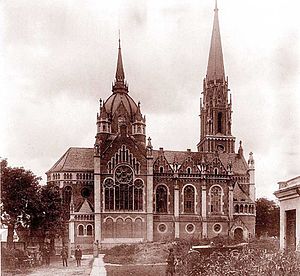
{"x":267,"y":217}
{"x":27,"y":205}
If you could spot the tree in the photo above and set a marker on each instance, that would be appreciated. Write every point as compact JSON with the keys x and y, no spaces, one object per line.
{"x":19,"y":197}
{"x":49,"y":221}
{"x":267,"y":217}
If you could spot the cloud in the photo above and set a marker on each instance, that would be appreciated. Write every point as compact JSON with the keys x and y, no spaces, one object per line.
{"x":57,"y":59}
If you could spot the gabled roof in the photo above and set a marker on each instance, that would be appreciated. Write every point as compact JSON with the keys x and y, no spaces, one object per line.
{"x":239,"y":194}
{"x":85,"y":207}
{"x":75,"y":159}
{"x":239,"y":165}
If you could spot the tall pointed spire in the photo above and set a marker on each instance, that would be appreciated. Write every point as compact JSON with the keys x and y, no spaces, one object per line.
{"x":120,"y":76}
{"x":215,"y":67}
{"x":120,"y":85}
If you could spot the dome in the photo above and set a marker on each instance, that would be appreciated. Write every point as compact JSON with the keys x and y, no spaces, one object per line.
{"x":113,"y":102}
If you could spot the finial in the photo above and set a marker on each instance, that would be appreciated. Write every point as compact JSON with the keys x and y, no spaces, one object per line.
{"x":119,"y":40}
{"x":139,"y":103}
{"x":240,"y":151}
{"x":100,"y":102}
{"x":216,"y":5}
{"x":149,"y":143}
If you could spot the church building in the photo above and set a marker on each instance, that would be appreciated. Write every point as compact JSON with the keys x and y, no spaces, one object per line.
{"x":122,"y":190}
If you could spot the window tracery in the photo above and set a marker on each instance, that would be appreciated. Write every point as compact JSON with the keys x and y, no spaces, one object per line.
{"x":123,"y":192}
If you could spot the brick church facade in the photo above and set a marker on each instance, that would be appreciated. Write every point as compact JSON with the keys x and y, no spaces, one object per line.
{"x":124,"y":191}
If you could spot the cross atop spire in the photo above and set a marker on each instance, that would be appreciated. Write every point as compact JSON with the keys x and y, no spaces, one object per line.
{"x":215,"y":67}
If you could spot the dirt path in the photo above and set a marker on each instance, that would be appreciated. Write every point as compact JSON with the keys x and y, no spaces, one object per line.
{"x":56,"y":268}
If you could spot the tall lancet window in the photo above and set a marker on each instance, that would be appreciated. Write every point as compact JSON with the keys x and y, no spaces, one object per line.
{"x":216,"y":199}
{"x":189,"y":199}
{"x":161,"y":199}
{"x":67,"y":197}
{"x":220,"y":122}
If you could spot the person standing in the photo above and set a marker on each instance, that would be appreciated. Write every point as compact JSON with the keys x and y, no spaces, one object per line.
{"x":64,"y":256}
{"x":78,"y":255}
{"x":47,"y":253}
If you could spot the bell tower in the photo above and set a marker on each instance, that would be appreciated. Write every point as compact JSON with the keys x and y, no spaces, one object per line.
{"x":216,"y":108}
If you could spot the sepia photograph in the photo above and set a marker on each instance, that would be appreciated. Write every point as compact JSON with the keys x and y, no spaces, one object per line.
{"x":147,"y":137}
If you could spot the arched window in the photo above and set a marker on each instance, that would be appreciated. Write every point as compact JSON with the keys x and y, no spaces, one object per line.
{"x":123,"y":192}
{"x":220,"y":122}
{"x":161,"y":199}
{"x":80,"y":230}
{"x":216,"y":199}
{"x":161,"y":169}
{"x":189,"y":199}
{"x":109,"y":194}
{"x":89,"y":230}
{"x":236,"y":208}
{"x":138,"y":194}
{"x":67,"y":195}
{"x":188,"y":170}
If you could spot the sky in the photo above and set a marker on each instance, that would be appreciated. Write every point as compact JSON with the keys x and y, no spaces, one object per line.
{"x":58,"y":58}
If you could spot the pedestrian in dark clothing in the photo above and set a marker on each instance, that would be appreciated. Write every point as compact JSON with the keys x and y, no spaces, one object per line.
{"x":47,"y":254}
{"x":64,"y":256}
{"x":170,"y":263}
{"x":78,"y":255}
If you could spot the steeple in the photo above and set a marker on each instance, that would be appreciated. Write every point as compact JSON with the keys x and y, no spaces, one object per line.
{"x":120,"y":85}
{"x":120,"y":71}
{"x":215,"y":67}
{"x":215,"y":112}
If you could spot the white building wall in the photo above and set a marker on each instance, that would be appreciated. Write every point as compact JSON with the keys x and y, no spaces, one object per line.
{"x":286,"y":205}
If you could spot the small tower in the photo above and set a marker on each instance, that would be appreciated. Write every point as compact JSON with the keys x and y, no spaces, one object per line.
{"x":139,"y":126}
{"x":251,"y":170}
{"x":215,"y":112}
{"x":103,"y":122}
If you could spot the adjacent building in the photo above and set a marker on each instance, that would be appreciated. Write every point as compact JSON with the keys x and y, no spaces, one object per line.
{"x":122,"y":190}
{"x":289,"y":199}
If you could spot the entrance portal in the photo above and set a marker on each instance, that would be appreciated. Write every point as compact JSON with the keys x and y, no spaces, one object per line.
{"x":238,"y":234}
{"x":291,"y":230}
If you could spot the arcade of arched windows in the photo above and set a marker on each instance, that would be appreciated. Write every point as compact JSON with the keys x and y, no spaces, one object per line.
{"x":56,"y":176}
{"x":67,"y":175}
{"x":241,"y":179}
{"x":120,"y":227}
{"x":123,"y":155}
{"x":84,"y":176}
{"x":243,"y":208}
{"x":85,"y":230}
{"x":85,"y":217}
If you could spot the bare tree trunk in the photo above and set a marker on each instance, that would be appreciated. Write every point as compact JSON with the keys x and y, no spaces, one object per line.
{"x":10,"y":235}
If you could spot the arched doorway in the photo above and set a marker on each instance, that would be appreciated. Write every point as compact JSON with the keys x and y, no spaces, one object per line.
{"x":238,"y":234}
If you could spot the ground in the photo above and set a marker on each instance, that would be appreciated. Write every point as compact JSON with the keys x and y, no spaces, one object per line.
{"x":258,"y":258}
{"x":56,"y":268}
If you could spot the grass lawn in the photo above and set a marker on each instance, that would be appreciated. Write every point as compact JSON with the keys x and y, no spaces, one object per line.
{"x":136,"y":270}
